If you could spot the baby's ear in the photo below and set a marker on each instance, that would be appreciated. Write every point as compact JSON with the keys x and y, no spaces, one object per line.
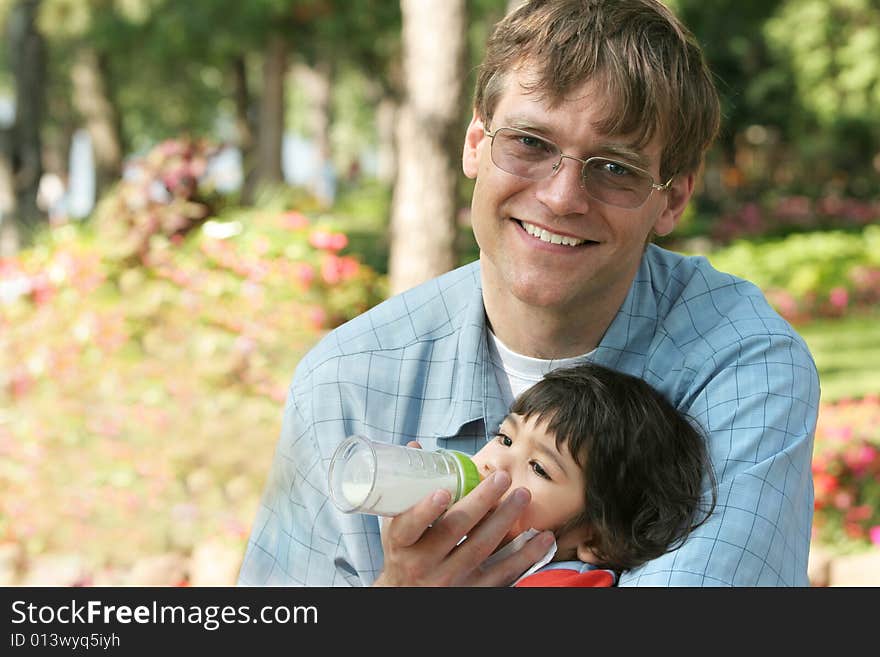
{"x":581,"y":537}
{"x":585,"y":553}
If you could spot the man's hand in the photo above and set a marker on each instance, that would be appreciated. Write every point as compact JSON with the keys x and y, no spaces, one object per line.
{"x":422,"y":546}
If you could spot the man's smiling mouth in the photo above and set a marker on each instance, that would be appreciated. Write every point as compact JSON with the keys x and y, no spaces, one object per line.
{"x":546,"y":236}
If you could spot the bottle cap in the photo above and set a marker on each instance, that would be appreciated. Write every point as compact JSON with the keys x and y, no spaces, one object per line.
{"x":470,"y":476}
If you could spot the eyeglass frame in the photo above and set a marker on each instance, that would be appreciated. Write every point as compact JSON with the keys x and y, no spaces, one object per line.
{"x":583,"y":162}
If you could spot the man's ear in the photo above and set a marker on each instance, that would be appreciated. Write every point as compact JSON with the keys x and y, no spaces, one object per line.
{"x":470,"y":158}
{"x":677,"y":197}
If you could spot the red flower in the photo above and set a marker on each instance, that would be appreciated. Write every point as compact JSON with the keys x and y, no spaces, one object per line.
{"x":335,"y":269}
{"x":328,"y":241}
{"x":825,"y":484}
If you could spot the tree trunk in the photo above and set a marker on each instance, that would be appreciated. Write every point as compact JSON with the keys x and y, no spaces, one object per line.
{"x":270,"y":134}
{"x":316,"y":82}
{"x":244,"y":127}
{"x":386,"y":157}
{"x":27,"y":52}
{"x":8,"y":228}
{"x":92,"y":101}
{"x":423,"y":226}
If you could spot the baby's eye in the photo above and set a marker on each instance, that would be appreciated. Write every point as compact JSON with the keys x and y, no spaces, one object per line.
{"x":504,"y":440}
{"x":541,"y":472}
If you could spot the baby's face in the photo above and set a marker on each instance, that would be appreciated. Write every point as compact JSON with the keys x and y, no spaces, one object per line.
{"x":528,"y":453}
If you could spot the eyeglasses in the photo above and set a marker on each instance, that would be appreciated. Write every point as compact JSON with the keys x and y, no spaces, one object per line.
{"x":535,"y":158}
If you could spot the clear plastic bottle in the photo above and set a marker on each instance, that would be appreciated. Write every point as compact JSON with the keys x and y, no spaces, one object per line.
{"x":382,"y":479}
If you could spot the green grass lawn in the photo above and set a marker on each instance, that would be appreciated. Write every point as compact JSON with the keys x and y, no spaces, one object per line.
{"x":847,"y":353}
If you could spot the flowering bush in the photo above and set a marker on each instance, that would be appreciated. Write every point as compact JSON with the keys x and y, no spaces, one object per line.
{"x":821,"y":274}
{"x":161,"y":193}
{"x":846,"y":473}
{"x":779,"y":216}
{"x":140,"y":398}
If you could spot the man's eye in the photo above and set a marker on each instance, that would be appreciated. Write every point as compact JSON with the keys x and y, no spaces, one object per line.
{"x":534,"y":144}
{"x":541,"y":472}
{"x":616,"y":169}
{"x":505,"y":440}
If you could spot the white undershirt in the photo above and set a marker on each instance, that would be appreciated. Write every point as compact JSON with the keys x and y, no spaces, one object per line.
{"x":516,"y":372}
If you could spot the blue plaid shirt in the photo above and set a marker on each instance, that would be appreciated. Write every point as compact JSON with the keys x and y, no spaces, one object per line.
{"x":416,"y":367}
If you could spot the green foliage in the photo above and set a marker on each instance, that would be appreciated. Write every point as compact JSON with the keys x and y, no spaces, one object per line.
{"x":847,"y":354}
{"x":834,"y":47}
{"x":811,"y":274}
{"x":140,"y":398}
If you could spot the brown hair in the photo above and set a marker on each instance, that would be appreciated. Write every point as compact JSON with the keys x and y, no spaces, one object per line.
{"x":649,"y":64}
{"x":645,"y":463}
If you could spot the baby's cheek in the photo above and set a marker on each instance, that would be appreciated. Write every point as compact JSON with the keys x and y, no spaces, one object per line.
{"x":538,"y":515}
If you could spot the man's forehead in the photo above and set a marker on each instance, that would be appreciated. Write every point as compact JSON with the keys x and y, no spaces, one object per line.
{"x":523,"y":106}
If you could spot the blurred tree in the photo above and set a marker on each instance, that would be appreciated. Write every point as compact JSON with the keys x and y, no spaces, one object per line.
{"x":799,"y":82}
{"x":833,"y":47}
{"x":221,"y":65}
{"x":85,"y":37}
{"x":363,"y":39}
{"x":423,"y":219}
{"x":753,"y":87}
{"x":22,"y":163}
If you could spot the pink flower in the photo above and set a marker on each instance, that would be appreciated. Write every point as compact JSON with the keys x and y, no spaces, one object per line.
{"x":42,"y":289}
{"x":304,"y":273}
{"x":294,"y":220}
{"x":317,"y":316}
{"x":839,"y":297}
{"x":843,"y":500}
{"x":784,"y":301}
{"x":874,"y":534}
{"x":336,"y":270}
{"x":860,"y":459}
{"x":323,"y":239}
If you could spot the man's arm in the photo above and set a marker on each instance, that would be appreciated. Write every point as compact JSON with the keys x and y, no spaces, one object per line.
{"x":298,"y":537}
{"x":758,"y":403}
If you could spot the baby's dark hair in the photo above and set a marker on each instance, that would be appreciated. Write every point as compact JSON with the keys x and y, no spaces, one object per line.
{"x":644,"y":461}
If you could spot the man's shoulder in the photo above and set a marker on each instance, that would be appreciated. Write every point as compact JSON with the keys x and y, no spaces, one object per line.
{"x":693,"y":297}
{"x":428,"y":312}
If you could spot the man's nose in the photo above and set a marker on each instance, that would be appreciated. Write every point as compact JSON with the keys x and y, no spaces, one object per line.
{"x":563,"y":191}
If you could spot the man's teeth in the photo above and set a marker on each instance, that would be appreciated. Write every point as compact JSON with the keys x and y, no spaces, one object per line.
{"x":547,"y":236}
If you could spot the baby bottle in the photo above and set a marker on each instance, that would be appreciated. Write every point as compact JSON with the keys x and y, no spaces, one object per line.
{"x":382,"y":479}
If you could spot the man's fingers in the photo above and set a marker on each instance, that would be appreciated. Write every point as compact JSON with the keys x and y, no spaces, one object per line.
{"x":407,"y":528}
{"x":484,"y":539}
{"x":505,"y":571}
{"x":468,"y":512}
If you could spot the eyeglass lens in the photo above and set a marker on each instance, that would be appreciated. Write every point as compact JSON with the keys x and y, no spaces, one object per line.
{"x":528,"y":156}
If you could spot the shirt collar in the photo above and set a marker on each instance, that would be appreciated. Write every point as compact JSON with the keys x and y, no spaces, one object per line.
{"x":475,"y":392}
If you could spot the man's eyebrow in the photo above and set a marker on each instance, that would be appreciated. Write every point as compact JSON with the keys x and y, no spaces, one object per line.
{"x":523,"y":122}
{"x":626,"y":152}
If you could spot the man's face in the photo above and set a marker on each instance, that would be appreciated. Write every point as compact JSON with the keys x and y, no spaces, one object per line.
{"x":557,"y":277}
{"x":528,"y":453}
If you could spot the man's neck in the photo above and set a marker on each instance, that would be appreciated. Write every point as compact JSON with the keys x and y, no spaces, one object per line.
{"x":549,"y":333}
